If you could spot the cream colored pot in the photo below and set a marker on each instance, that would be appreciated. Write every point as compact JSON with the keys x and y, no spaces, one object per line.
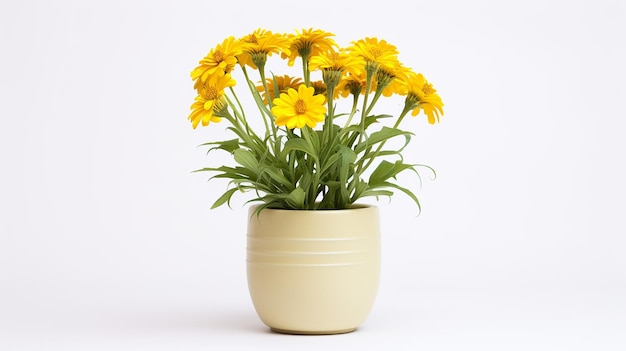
{"x":313,"y":272}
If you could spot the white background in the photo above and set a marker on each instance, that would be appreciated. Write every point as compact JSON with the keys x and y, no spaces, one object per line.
{"x":106,"y":237}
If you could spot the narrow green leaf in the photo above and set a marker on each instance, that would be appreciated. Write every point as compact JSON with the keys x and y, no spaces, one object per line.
{"x":384,"y":134}
{"x":305,"y":181}
{"x":331,"y":162}
{"x":245,"y":158}
{"x":369,"y":120}
{"x":408,"y":193}
{"x":381,"y":154}
{"x":386,"y":170}
{"x":225,"y":198}
{"x":258,"y":99}
{"x":379,"y":192}
{"x":276,"y":86}
{"x":233,"y":172}
{"x":296,"y":198}
{"x":348,"y":156}
{"x":358,"y":187}
{"x":278,"y":177}
{"x":299,"y":144}
{"x":226,"y":145}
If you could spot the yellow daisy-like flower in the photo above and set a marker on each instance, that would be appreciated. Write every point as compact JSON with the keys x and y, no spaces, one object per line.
{"x":352,"y":85}
{"x":394,"y":80}
{"x":221,"y":59}
{"x":378,"y":53}
{"x":283,"y":82}
{"x":422,"y":96}
{"x":334,"y":65}
{"x":307,"y":43}
{"x":260,"y":44}
{"x":340,"y":61}
{"x":295,"y":109}
{"x":320,"y":88}
{"x":209,"y":100}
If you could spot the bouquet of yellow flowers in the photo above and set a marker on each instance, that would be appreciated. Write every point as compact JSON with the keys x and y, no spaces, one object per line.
{"x":309,"y":155}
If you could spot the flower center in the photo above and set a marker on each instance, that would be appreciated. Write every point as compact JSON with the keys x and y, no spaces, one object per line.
{"x":428,"y":89}
{"x":210,"y":93}
{"x":300,"y":107}
{"x":375,"y":52}
{"x":218,"y":56}
{"x":252,"y":39}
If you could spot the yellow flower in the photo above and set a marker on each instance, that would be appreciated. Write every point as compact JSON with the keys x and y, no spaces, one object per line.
{"x":340,"y":60}
{"x":209,"y":100}
{"x":352,"y":84}
{"x":393,"y":80}
{"x":307,"y":43}
{"x":221,"y":59}
{"x":283,"y":82}
{"x":335,"y":64}
{"x":377,"y":53}
{"x":422,"y":96}
{"x":320,"y":88}
{"x":295,"y":109}
{"x":260,"y":44}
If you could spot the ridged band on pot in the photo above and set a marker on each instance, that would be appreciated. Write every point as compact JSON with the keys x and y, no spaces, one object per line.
{"x":313,"y":272}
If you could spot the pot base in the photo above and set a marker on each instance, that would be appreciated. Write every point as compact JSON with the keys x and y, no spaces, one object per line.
{"x":300,"y":332}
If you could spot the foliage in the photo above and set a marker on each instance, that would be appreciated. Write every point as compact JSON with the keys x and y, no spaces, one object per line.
{"x":308,"y":155}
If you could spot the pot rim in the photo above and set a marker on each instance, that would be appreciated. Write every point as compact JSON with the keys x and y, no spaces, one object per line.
{"x":353,"y":207}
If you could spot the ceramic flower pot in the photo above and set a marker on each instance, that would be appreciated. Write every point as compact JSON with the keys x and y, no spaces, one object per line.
{"x":313,"y":272}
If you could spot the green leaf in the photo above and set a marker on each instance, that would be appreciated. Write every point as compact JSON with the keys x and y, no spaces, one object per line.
{"x":301,"y":145}
{"x":278,"y":176}
{"x":258,"y":99}
{"x":348,"y":156}
{"x":236,"y":173}
{"x":331,"y":162}
{"x":226,"y":145}
{"x":225,"y":198}
{"x":296,"y":198}
{"x":386,"y":170}
{"x":380,"y":154}
{"x":384,"y":134}
{"x":358,"y":187}
{"x":276,"y":86}
{"x":369,"y":120}
{"x":379,"y":192}
{"x":305,"y":181}
{"x":407,"y":192}
{"x":355,"y":129}
{"x":245,"y":158}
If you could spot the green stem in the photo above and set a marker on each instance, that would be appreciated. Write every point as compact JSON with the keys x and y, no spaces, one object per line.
{"x":269,"y":103}
{"x":374,"y":100}
{"x":240,"y":114}
{"x":368,"y":86}
{"x":305,"y":70}
{"x":382,"y":143}
{"x":247,"y":139}
{"x":267,"y":94}
{"x":313,"y":161}
{"x":352,"y":112}
{"x":330,"y":116}
{"x":267,"y":128}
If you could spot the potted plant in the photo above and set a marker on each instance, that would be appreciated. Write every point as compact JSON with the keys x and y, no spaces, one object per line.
{"x":310,"y":150}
